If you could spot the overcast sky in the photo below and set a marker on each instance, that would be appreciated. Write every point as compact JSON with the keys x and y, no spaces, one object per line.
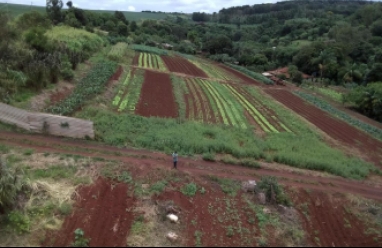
{"x":185,"y":6}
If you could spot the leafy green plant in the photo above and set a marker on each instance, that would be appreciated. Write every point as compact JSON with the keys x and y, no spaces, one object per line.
{"x":18,"y":222}
{"x":118,"y":51}
{"x":79,"y":239}
{"x":92,"y":84}
{"x":189,"y":189}
{"x":271,"y":188}
{"x":125,"y":177}
{"x":158,"y":187}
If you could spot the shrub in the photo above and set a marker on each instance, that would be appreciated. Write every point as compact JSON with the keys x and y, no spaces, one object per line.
{"x":189,"y":189}
{"x":12,"y":182}
{"x":79,"y":239}
{"x":273,"y":191}
{"x":18,"y":222}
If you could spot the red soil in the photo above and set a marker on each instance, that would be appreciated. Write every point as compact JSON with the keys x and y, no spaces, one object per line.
{"x":60,"y":95}
{"x":324,"y":219}
{"x":181,"y":65}
{"x":103,"y":211}
{"x":204,"y":210}
{"x":335,"y":128}
{"x":157,"y":98}
{"x":136,"y":59}
{"x":117,"y":74}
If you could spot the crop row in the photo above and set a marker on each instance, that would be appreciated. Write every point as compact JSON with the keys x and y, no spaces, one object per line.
{"x":152,"y":61}
{"x":132,"y":91}
{"x":374,"y":131}
{"x":211,"y":102}
{"x":257,"y":101}
{"x":122,"y":88}
{"x":252,"y":74}
{"x":147,"y":49}
{"x":92,"y":84}
{"x":213,"y":71}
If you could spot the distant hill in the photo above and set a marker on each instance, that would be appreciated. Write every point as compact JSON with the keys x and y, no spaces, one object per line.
{"x":17,"y":9}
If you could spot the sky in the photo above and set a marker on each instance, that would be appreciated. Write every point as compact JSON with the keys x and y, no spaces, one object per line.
{"x":185,"y":6}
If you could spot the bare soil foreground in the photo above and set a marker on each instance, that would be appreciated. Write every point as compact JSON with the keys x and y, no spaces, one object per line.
{"x":129,"y":199}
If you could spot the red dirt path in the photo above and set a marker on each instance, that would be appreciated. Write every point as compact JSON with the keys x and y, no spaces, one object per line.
{"x":101,"y":212}
{"x":157,"y":97}
{"x":181,"y":65}
{"x":334,"y":127}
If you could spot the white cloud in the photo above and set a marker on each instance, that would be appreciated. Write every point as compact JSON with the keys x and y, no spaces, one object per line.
{"x":131,"y":8}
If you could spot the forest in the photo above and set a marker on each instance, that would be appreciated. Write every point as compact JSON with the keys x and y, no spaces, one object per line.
{"x":336,"y":42}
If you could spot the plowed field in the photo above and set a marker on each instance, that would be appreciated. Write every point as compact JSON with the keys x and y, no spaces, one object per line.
{"x":240,"y":75}
{"x":335,"y":128}
{"x":102,"y":213}
{"x":157,"y":98}
{"x":181,"y":65}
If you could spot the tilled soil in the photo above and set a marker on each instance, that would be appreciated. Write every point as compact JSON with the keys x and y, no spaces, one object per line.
{"x":104,"y":211}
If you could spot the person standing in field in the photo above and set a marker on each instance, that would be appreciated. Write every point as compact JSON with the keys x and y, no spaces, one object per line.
{"x":175,"y":158}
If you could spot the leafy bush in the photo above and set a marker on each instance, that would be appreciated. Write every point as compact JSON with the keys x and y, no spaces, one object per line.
{"x":12,"y":182}
{"x":18,"y":222}
{"x":79,"y":239}
{"x":270,"y":185}
{"x":189,"y":189}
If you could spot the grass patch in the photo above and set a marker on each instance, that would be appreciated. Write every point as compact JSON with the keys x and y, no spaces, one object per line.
{"x":4,"y":149}
{"x":54,"y":172}
{"x":228,"y":186}
{"x":28,"y":152}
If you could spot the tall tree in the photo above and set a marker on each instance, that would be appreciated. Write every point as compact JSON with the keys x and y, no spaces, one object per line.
{"x":53,"y":9}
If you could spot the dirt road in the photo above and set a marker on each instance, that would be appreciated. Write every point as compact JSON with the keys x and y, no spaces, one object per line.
{"x":149,"y":159}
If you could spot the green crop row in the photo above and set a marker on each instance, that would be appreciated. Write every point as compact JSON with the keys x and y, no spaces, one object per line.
{"x":122,"y":88}
{"x":152,"y":61}
{"x":118,"y":51}
{"x":131,"y":98}
{"x":252,"y":74}
{"x":92,"y":84}
{"x":147,"y":49}
{"x":228,"y":108}
{"x":257,"y":116}
{"x":374,"y":131}
{"x":259,"y":105}
{"x":213,"y":71}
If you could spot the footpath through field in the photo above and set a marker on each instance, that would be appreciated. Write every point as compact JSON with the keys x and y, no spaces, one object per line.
{"x":148,"y":160}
